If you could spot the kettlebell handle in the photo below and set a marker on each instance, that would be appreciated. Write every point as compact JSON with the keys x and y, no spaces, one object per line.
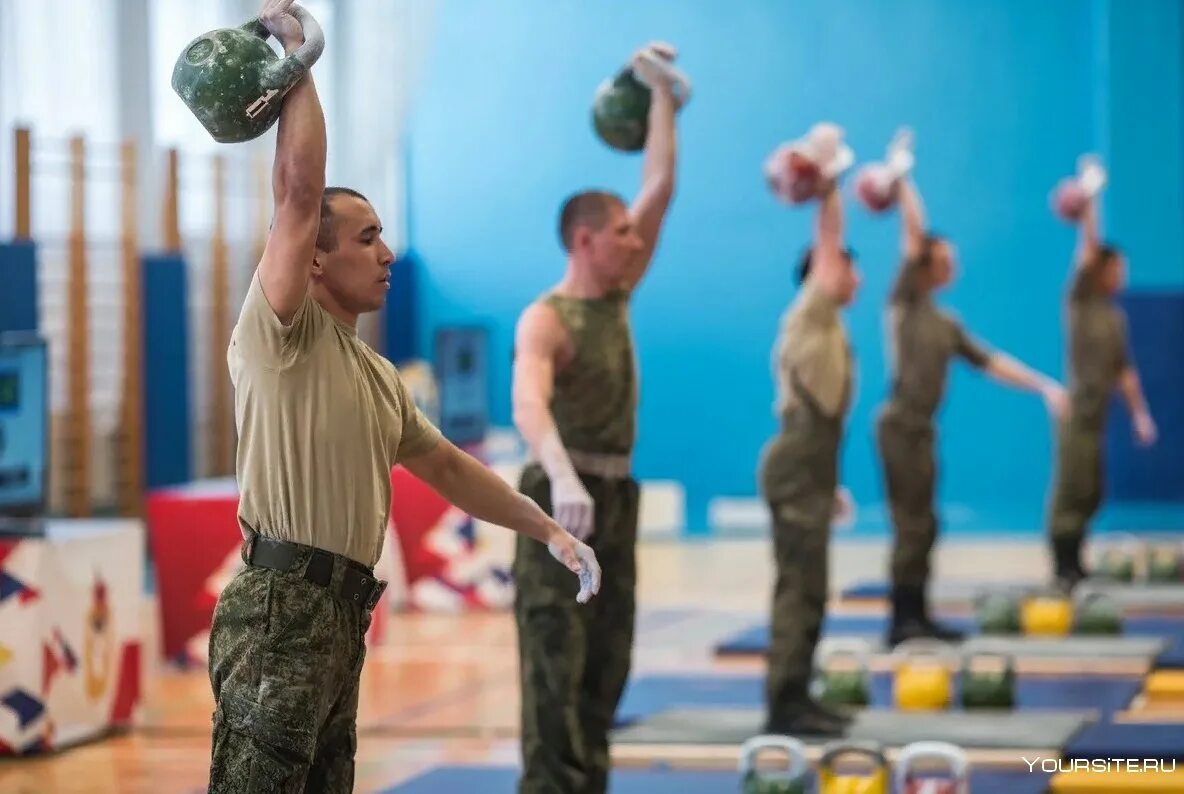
{"x":288,"y":71}
{"x":952,"y":754}
{"x":836,"y":750}
{"x":793,"y":748}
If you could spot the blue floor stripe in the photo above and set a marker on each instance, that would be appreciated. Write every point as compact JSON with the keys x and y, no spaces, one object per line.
{"x":501,"y":780}
{"x":646,"y":696}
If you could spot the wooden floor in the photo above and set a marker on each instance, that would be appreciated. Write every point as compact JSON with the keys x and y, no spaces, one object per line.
{"x":443,"y":689}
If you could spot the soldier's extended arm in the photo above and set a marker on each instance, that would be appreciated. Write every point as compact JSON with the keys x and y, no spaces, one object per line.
{"x":479,"y":492}
{"x":537,"y":346}
{"x":298,"y":178}
{"x":659,"y":167}
{"x":1132,"y":393}
{"x":1008,"y":370}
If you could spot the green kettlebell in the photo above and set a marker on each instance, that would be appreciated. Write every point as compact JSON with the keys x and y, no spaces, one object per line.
{"x":1165,"y":564}
{"x":1119,"y":560}
{"x":621,"y":104}
{"x":842,"y":679}
{"x":791,"y":780}
{"x":234,"y":82}
{"x":988,"y":681}
{"x":998,"y":613}
{"x":620,"y":111}
{"x":1098,"y":614}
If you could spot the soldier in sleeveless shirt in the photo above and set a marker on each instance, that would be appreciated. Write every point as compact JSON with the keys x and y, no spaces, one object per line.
{"x":799,"y":467}
{"x":922,"y":341}
{"x":1099,"y":362}
{"x":575,"y":393}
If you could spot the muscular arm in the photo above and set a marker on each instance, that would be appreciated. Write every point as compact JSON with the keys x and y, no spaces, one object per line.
{"x":1088,"y":236}
{"x":479,"y":492}
{"x":466,"y":483}
{"x":537,"y":345}
{"x":658,"y":175}
{"x":298,"y":181}
{"x":1131,"y":389}
{"x":1008,"y":370}
{"x":912,"y":216}
{"x":829,"y":264}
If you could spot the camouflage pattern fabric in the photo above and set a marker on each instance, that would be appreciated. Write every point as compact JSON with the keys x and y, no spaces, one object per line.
{"x":595,"y":396}
{"x":574,"y":659}
{"x":799,"y":473}
{"x":910,"y":474}
{"x":802,"y":555}
{"x":923,"y":339}
{"x":1098,"y":354}
{"x":286,"y":658}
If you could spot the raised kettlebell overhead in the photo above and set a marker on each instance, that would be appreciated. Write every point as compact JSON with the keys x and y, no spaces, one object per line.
{"x":234,"y":82}
{"x":621,"y":104}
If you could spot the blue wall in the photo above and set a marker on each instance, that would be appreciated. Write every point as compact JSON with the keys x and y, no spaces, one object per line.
{"x":1003,"y":97}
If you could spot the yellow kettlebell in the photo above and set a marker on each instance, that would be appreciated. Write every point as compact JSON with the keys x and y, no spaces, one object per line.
{"x":922,"y":678}
{"x":1047,"y":615}
{"x":869,"y":775}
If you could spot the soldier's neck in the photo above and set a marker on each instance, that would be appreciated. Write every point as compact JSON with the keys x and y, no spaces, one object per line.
{"x":580,"y":282}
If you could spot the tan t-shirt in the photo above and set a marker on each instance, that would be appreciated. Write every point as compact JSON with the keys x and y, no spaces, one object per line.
{"x":813,"y":348}
{"x":321,"y":420}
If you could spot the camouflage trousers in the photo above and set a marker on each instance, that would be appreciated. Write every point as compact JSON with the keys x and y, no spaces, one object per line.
{"x":802,"y":555}
{"x":910,"y":477}
{"x":1078,"y":481}
{"x":285,"y":661}
{"x":574,"y":659}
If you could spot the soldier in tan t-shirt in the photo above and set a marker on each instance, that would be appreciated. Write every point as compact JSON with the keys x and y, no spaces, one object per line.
{"x":799,"y":467}
{"x":322,"y":418}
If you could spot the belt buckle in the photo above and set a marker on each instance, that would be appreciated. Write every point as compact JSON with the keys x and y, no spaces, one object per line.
{"x":376,"y":592}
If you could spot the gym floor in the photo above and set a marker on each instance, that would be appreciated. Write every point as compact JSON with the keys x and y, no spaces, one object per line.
{"x":442,"y":690}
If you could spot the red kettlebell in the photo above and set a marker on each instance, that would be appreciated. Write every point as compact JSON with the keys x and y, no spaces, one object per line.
{"x":1069,"y":200}
{"x":875,"y":188}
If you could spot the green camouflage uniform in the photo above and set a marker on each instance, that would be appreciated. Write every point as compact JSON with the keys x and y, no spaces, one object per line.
{"x":285,"y":661}
{"x":923,"y":340}
{"x":799,"y":471}
{"x":1097,"y":357}
{"x":574,"y":659}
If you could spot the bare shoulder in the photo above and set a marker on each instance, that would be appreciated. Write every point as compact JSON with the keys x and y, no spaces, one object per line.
{"x":541,"y":332}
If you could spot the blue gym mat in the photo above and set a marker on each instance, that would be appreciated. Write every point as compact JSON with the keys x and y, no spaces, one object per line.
{"x":755,"y":640}
{"x":649,"y":695}
{"x":1128,"y":740}
{"x":501,"y":780}
{"x":1172,"y":657}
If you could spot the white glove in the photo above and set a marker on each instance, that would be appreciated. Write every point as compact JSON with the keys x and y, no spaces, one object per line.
{"x":572,"y":506}
{"x":1091,"y":175}
{"x":653,"y":64}
{"x":580,"y":560}
{"x":900,"y":153}
{"x":824,"y":145}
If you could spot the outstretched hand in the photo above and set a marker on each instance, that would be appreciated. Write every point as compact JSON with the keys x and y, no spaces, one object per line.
{"x":580,"y":560}
{"x":1145,"y":430}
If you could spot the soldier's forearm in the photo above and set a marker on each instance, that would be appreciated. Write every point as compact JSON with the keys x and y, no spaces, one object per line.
{"x":301,"y":146}
{"x":475,"y":489}
{"x":1007,"y":370}
{"x":1132,"y":391}
{"x":538,"y":428}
